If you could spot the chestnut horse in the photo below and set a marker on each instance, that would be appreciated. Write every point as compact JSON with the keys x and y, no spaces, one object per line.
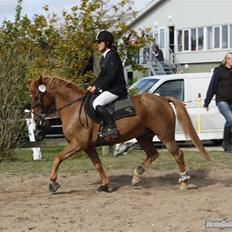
{"x":153,"y":113}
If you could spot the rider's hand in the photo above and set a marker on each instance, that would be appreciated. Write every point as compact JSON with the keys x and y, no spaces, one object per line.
{"x":93,"y":89}
{"x":89,"y":88}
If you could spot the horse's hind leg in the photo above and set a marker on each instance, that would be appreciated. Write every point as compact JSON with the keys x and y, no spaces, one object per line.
{"x":93,"y":155}
{"x":179,"y":158}
{"x":151,"y":154}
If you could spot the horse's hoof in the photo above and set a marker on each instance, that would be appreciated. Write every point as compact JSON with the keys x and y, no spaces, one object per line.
{"x":136,"y":179}
{"x":53,"y":187}
{"x":105,"y":189}
{"x":185,"y":186}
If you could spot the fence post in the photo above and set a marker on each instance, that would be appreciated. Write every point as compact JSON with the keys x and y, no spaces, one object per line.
{"x":105,"y":150}
{"x":36,"y":152}
{"x":199,"y":114}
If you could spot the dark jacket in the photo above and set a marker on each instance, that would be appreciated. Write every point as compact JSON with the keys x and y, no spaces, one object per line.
{"x":220,"y":85}
{"x":111,"y":77}
{"x":159,"y":55}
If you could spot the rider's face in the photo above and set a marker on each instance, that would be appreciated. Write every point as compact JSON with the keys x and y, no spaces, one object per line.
{"x":229,"y":62}
{"x":101,"y":46}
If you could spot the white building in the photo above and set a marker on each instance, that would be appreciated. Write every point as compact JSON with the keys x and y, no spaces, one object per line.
{"x":199,"y":32}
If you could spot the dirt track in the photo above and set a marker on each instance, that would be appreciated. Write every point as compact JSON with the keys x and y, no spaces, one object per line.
{"x":155,"y":205}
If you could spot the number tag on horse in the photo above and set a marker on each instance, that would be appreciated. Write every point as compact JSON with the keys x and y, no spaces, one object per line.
{"x":42,"y":88}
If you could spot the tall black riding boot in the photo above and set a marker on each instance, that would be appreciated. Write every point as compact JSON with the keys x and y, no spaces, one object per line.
{"x":110,"y":130}
{"x":227,"y":139}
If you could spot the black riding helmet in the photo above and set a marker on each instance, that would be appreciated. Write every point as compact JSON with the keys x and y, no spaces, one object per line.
{"x":105,"y":36}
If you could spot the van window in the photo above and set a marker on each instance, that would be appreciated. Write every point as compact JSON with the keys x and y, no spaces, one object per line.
{"x":143,"y":85}
{"x":173,"y":88}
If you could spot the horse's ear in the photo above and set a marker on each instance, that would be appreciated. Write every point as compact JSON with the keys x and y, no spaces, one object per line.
{"x":40,"y":79}
{"x":45,"y":79}
{"x":28,"y":83}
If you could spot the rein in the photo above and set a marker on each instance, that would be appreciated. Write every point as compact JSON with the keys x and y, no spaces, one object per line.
{"x":69,"y":104}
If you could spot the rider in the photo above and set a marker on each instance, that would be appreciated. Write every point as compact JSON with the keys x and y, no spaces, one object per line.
{"x":110,"y":83}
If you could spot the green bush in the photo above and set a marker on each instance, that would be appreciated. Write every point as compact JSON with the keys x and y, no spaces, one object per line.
{"x":48,"y":45}
{"x":11,"y":113}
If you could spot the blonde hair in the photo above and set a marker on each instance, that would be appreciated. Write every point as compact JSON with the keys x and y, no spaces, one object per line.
{"x":227,"y":57}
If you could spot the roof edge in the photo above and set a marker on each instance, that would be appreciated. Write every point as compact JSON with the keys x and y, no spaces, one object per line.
{"x":146,"y":11}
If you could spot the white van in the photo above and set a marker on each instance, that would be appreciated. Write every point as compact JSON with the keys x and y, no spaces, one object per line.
{"x":191,"y":89}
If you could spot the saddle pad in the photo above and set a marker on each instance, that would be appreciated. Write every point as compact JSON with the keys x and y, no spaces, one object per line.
{"x":123,"y":108}
{"x":118,"y":109}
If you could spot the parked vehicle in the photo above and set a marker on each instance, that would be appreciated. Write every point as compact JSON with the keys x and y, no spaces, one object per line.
{"x":191,"y":89}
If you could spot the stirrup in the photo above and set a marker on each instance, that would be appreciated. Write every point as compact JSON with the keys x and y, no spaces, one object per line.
{"x":112,"y":133}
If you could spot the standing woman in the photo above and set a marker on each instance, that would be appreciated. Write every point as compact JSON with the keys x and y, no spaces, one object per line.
{"x":221,"y":86}
{"x":110,"y":83}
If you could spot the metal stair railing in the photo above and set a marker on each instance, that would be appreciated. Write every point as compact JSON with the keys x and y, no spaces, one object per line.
{"x":156,"y":68}
{"x":173,"y":62}
{"x":170,"y":65}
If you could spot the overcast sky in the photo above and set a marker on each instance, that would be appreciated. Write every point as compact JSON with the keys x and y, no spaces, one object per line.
{"x":31,"y":7}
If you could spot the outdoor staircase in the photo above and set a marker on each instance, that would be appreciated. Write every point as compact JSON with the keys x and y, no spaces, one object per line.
{"x":169,"y":66}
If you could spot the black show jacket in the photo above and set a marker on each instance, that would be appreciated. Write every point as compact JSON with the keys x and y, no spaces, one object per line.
{"x":111,"y":77}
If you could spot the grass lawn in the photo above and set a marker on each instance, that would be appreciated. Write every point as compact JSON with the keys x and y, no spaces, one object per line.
{"x":24,"y":164}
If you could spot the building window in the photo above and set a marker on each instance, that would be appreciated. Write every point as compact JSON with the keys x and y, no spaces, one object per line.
{"x":200,"y":38}
{"x":231,"y":36}
{"x":162,"y":38}
{"x":156,"y":37}
{"x":186,"y":40}
{"x":193,"y":39}
{"x":216,"y":31}
{"x":179,"y":40}
{"x":225,"y":36}
{"x":209,"y":38}
{"x":205,"y":38}
{"x":156,"y":34}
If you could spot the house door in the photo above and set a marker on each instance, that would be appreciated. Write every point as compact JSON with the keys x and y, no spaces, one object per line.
{"x":171,"y":38}
{"x":163,"y":40}
{"x":171,"y":44}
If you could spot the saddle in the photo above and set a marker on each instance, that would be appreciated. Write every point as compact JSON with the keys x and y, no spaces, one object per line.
{"x":119,"y":108}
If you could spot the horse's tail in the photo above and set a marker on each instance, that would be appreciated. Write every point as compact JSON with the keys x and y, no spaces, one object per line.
{"x":186,"y":123}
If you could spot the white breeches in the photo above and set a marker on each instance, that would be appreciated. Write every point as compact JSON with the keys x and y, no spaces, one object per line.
{"x":104,"y":98}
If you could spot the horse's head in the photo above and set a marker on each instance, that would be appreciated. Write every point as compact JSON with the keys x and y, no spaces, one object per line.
{"x":41,"y":97}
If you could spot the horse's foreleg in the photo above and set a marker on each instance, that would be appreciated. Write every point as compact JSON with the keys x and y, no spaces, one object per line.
{"x":69,"y":150}
{"x":179,"y":158}
{"x":151,"y":152}
{"x":93,"y":155}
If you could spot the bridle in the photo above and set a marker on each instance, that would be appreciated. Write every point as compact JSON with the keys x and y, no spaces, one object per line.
{"x":41,"y":97}
{"x":40,"y":103}
{"x":44,"y":93}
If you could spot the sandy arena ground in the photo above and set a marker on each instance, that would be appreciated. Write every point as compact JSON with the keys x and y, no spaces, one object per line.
{"x":156,"y":204}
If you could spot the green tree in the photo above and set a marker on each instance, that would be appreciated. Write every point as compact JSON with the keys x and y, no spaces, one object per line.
{"x":48,"y":44}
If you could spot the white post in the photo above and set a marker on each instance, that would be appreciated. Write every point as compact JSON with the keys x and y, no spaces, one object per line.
{"x":37,"y":155}
{"x":105,"y":150}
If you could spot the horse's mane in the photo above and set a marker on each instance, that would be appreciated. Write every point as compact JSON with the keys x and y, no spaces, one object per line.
{"x":57,"y":81}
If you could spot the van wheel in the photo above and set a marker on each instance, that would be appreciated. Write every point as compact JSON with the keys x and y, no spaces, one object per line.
{"x":217,"y":142}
